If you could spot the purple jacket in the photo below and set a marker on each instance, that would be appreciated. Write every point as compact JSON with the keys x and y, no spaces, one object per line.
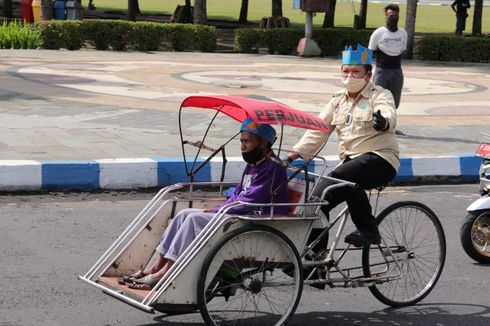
{"x":255,"y":187}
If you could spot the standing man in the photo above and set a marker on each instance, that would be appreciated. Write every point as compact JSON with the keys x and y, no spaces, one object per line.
{"x":364,"y":117}
{"x":460,"y":7}
{"x":388,"y":43}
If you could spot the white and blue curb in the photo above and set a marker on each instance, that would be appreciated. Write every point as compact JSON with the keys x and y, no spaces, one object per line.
{"x":27,"y":175}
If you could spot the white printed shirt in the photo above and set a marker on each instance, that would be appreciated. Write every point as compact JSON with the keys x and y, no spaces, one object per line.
{"x":390,"y":43}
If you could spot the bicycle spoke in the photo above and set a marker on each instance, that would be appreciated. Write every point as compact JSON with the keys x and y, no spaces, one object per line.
{"x":414,"y":228}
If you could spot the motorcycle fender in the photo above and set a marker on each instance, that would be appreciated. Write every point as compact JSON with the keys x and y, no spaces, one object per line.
{"x":480,"y":203}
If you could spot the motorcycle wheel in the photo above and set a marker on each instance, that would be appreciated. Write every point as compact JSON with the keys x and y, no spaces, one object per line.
{"x":475,"y":236}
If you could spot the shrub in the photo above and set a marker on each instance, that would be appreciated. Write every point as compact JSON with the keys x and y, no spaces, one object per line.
{"x":119,"y":35}
{"x":189,"y":37}
{"x":97,"y":33}
{"x":105,"y":34}
{"x":285,"y":40}
{"x":50,"y":34}
{"x":247,"y":40}
{"x":332,"y":41}
{"x":72,"y":35}
{"x":451,"y":48}
{"x":179,"y":36}
{"x":147,"y":36}
{"x":282,"y":40}
{"x":205,"y":38}
{"x":57,"y":34}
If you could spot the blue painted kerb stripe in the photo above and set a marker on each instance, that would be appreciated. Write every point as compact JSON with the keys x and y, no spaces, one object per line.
{"x":172,"y":170}
{"x":70,"y":175}
{"x":405,"y":172}
{"x":469,"y":168}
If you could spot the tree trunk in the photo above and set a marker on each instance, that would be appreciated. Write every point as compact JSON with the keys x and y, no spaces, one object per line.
{"x":410,"y":26}
{"x":46,"y":10}
{"x":363,"y":14}
{"x":477,"y":17}
{"x":7,"y":9}
{"x":243,"y":12}
{"x":328,"y":21}
{"x":276,"y":8}
{"x":200,"y":16}
{"x":133,"y":9}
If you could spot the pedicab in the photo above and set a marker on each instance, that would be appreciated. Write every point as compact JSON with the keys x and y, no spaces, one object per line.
{"x":251,"y":269}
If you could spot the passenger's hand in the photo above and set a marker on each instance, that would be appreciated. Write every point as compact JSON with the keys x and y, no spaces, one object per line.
{"x":287,"y":161}
{"x":379,"y":122}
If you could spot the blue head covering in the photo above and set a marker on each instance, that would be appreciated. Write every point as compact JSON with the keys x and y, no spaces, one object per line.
{"x":263,"y":131}
{"x":361,"y":56}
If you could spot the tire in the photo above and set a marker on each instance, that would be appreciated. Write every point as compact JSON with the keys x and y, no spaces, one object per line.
{"x":475,"y":236}
{"x":253,"y":275}
{"x":415,"y":236}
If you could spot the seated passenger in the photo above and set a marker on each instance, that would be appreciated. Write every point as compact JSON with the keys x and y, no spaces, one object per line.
{"x":263,"y":173}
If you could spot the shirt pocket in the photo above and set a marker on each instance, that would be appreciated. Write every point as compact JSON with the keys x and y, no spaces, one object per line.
{"x":363,"y":119}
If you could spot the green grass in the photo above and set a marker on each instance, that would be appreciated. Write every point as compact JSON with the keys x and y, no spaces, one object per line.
{"x":16,"y":35}
{"x":430,"y":19}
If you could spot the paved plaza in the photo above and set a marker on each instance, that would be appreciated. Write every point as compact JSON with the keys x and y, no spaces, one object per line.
{"x":88,"y":105}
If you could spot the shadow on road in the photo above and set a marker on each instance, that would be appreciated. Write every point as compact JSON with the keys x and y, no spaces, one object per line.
{"x":446,"y":314}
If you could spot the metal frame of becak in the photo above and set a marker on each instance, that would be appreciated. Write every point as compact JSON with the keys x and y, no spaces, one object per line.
{"x":256,"y":262}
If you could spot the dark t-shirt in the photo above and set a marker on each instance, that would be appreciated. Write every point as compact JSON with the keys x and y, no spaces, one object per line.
{"x":387,"y":61}
{"x":461,"y":6}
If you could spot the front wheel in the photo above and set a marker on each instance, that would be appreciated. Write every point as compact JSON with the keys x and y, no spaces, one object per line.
{"x":475,"y":236}
{"x":407,"y":264}
{"x":252,"y":276}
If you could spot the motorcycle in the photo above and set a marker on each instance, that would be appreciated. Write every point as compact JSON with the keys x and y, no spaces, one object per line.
{"x":475,"y":230}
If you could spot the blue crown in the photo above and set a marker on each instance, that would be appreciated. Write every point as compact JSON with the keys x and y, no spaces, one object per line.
{"x":362,"y":56}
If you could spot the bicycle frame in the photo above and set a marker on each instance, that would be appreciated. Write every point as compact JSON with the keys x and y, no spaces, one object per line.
{"x":331,"y":264}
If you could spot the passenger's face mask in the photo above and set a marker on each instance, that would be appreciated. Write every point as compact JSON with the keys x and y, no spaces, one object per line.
{"x":253,"y":156}
{"x":354,"y":85}
{"x":392,"y":23}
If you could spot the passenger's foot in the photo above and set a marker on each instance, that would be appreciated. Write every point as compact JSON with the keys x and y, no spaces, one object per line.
{"x":130,"y":278}
{"x":364,"y":238}
{"x":400,"y":133}
{"x":145,"y":283}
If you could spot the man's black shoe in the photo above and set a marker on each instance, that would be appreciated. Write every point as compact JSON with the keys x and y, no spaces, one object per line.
{"x":364,"y":238}
{"x":400,"y":133}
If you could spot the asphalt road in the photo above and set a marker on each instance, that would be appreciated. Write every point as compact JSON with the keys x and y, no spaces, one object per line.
{"x":47,"y":240}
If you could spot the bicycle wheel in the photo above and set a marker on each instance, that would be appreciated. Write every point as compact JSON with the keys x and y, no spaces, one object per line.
{"x":252,"y":276}
{"x":409,"y":261}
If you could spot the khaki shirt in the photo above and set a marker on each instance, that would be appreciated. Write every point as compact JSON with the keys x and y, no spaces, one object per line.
{"x":352,"y":119}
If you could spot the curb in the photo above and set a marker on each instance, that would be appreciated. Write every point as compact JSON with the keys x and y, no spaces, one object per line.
{"x":139,"y":173}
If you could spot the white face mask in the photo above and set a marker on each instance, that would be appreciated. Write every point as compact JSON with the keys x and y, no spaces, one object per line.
{"x":354,"y":85}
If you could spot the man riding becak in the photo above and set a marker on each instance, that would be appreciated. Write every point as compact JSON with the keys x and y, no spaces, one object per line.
{"x":364,"y":117}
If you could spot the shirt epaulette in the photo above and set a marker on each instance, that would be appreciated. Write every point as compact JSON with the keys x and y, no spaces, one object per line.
{"x":377,"y":87}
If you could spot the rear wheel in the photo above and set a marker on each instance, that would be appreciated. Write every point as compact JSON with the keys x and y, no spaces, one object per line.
{"x":409,"y":261}
{"x":252,"y":276}
{"x":475,"y":236}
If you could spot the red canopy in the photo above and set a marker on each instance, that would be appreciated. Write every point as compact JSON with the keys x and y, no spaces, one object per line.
{"x":268,"y":112}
